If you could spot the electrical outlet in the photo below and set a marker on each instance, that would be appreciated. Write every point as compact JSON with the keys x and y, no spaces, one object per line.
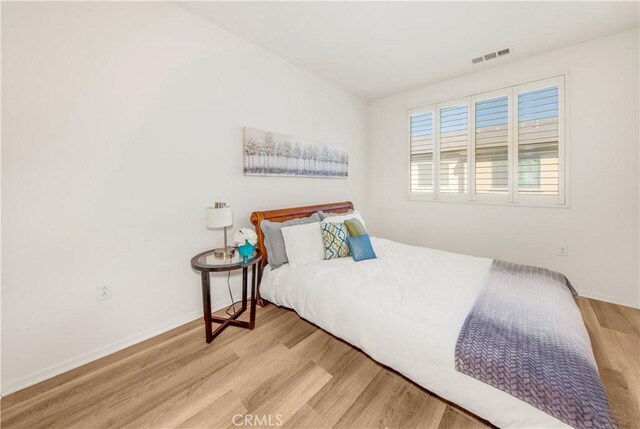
{"x":563,"y":251}
{"x":104,"y":292}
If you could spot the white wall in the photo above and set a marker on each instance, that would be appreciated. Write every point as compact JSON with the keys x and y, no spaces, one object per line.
{"x":600,"y":228}
{"x":121,"y":122}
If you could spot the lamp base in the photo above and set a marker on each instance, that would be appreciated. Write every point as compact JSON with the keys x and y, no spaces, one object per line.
{"x":224,"y":252}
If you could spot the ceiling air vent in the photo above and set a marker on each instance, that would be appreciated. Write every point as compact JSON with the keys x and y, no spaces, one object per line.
{"x":491,"y":56}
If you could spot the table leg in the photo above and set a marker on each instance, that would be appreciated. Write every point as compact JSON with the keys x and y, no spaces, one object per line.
{"x":254,"y":298}
{"x":206,"y":304}
{"x":244,"y":288}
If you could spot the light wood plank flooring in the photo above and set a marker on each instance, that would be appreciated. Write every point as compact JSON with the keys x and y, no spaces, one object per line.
{"x":285,"y":367}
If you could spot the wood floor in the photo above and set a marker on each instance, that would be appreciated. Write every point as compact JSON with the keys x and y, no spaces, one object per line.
{"x":285,"y":373}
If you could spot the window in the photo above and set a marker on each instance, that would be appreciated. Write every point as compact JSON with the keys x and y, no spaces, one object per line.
{"x":422,"y":152}
{"x":504,"y":146}
{"x":492,"y":146}
{"x":538,"y":141}
{"x":454,"y":142}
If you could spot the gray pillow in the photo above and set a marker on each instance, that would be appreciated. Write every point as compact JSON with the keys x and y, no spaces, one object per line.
{"x":324,"y":215}
{"x":274,"y":241}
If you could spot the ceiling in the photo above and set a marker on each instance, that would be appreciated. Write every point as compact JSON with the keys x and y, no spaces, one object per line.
{"x":375,"y":49}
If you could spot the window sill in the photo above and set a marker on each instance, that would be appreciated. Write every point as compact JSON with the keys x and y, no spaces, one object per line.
{"x":430,"y":199}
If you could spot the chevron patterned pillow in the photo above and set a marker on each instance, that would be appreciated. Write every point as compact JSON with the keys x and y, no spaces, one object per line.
{"x":334,"y":238}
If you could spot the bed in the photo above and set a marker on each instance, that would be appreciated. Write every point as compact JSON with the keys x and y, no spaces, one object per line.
{"x":407,"y":309}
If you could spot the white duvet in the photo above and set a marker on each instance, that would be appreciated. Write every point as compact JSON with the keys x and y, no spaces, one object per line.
{"x":405,"y":310}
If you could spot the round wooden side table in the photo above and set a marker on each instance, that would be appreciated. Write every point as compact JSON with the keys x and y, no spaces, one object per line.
{"x":207,"y":263}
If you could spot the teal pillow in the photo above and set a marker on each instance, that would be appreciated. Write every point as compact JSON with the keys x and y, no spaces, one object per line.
{"x":361,"y":248}
{"x":355,"y":227}
{"x":334,"y":238}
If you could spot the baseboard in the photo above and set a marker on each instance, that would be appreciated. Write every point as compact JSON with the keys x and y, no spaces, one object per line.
{"x":607,"y":298}
{"x":52,"y":371}
{"x":85,"y":358}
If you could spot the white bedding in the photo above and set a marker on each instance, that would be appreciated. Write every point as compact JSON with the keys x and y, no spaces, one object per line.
{"x":405,"y":310}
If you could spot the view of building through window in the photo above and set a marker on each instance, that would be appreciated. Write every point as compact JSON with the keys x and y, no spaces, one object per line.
{"x":538,"y":171}
{"x":492,"y":145}
{"x":454,"y":139}
{"x":422,"y":152}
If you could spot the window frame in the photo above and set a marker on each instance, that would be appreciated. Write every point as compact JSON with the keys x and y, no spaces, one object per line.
{"x":543,"y":199}
{"x":511,"y":198}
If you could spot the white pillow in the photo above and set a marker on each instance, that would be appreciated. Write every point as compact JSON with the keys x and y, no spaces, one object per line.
{"x":303,"y":243}
{"x":341,"y":218}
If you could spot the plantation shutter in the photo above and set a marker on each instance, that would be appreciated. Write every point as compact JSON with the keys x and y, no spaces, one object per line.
{"x":454,"y":137}
{"x":538,"y":141}
{"x":492,"y":146}
{"x":505,"y":146}
{"x":421,"y":148}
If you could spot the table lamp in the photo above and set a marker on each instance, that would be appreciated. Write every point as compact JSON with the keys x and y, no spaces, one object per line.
{"x":220,"y":216}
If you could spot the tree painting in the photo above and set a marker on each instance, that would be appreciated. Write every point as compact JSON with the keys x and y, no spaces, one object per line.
{"x":271,"y":154}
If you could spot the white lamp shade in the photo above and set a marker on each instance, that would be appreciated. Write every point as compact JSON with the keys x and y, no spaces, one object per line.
{"x":218,"y":217}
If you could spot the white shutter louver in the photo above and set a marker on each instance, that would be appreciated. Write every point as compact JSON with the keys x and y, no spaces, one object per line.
{"x":454,"y":137}
{"x":422,"y":152}
{"x":492,"y":146}
{"x":538,"y":142}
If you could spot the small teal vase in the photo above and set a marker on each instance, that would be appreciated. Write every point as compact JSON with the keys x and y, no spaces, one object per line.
{"x":246,"y":249}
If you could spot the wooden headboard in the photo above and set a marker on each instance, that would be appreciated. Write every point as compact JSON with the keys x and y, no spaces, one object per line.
{"x":280,"y":215}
